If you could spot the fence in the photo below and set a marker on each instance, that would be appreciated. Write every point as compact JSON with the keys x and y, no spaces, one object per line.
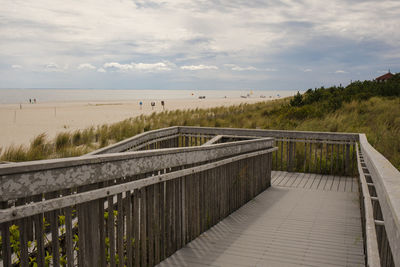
{"x":132,"y":208}
{"x":141,"y":199}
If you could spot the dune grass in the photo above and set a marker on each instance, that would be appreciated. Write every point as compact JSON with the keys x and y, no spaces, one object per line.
{"x":378,"y":117}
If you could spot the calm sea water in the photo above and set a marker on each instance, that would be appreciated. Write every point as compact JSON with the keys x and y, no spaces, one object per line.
{"x":15,"y":96}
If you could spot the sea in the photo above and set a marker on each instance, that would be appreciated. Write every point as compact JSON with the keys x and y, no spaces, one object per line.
{"x":17,"y":96}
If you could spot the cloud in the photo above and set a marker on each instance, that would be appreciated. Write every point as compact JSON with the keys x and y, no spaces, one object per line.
{"x":307,"y":70}
{"x":238,"y":68}
{"x":117,"y":66}
{"x":86,"y":66}
{"x":133,"y":35}
{"x":101,"y":70}
{"x":52,"y":67}
{"x":341,"y":71}
{"x":199,"y":67}
{"x":145,"y":67}
{"x":16,"y":67}
{"x":160,"y":66}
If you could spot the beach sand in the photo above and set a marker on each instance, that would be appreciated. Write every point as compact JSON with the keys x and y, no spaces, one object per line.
{"x":20,"y":126}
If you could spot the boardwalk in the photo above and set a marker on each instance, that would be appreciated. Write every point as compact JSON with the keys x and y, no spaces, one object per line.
{"x":302,"y":220}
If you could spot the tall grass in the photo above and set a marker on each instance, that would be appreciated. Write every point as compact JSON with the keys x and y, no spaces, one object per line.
{"x":378,"y":117}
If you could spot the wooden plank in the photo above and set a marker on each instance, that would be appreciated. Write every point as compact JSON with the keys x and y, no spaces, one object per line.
{"x":129,"y":229}
{"x":178,"y":213}
{"x":39,"y":236}
{"x":102,"y":232}
{"x":111,"y":230}
{"x":150,"y":224}
{"x":68,"y":237}
{"x":136,"y":227}
{"x":5,"y":237}
{"x":120,"y":230}
{"x":143,"y":227}
{"x":23,"y":240}
{"x":157,"y":225}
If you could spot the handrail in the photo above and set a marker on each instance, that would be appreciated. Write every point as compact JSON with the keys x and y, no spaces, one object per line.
{"x":386,"y":179}
{"x":270,"y":133}
{"x":37,"y":177}
{"x":136,"y":140}
{"x":107,"y":173}
{"x":79,"y":198}
{"x":371,"y":245}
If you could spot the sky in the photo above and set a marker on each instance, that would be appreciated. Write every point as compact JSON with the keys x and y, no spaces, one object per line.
{"x":202,"y":44}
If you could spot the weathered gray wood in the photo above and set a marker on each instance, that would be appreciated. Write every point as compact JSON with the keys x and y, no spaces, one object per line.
{"x":372,"y":251}
{"x":386,"y":180}
{"x":54,"y":238}
{"x":5,"y":237}
{"x":51,"y":204}
{"x":272,"y":230}
{"x":39,"y":236}
{"x":157,"y":225}
{"x":143,"y":227}
{"x":136,"y":229}
{"x":33,"y":178}
{"x":111,"y":230}
{"x":138,"y":139}
{"x":24,"y":256}
{"x":269,"y":133}
{"x":120,"y":230}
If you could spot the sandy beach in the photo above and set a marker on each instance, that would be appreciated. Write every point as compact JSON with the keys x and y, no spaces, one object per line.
{"x":21,"y":125}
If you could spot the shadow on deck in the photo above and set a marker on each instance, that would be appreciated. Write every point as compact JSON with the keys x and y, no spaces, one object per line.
{"x":303,"y":219}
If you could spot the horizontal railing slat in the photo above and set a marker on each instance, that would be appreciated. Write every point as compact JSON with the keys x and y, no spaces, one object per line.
{"x":48,"y":176}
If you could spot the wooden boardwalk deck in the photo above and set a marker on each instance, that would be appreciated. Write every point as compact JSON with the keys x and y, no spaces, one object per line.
{"x":301,"y":220}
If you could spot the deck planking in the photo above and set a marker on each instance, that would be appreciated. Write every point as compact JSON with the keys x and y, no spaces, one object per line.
{"x":301,"y":220}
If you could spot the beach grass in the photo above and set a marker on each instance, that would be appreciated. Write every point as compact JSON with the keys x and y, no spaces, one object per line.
{"x":376,"y":116}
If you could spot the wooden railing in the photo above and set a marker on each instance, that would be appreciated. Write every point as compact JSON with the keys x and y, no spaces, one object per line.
{"x":330,"y":153}
{"x":138,"y":201}
{"x":132,"y":208}
{"x":381,"y":202}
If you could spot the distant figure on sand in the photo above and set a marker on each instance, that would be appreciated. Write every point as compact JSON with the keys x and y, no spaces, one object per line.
{"x":30,"y":101}
{"x":153,"y":105}
{"x":162,"y":104}
{"x":140,"y":103}
{"x":34,"y":100}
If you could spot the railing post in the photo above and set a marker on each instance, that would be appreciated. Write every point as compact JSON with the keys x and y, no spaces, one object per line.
{"x":291,"y":156}
{"x":347,"y":161}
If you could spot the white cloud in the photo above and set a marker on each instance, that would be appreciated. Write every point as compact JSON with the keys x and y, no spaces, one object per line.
{"x":238,"y":68}
{"x":16,"y":67}
{"x":272,"y":32}
{"x":307,"y":70}
{"x":145,"y":67}
{"x":86,"y":66}
{"x":116,"y":65}
{"x":160,"y":66}
{"x":199,"y":67}
{"x":341,"y":71}
{"x":101,"y":70}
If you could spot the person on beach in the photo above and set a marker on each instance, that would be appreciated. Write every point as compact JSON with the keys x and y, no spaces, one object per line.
{"x":162,"y":104}
{"x":30,"y":101}
{"x":140,"y":103}
{"x":153,"y":104}
{"x":34,"y":100}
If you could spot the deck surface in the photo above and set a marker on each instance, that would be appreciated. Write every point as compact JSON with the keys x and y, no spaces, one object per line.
{"x":301,"y":220}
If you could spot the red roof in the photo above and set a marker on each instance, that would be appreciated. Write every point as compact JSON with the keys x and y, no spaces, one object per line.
{"x":384,"y":77}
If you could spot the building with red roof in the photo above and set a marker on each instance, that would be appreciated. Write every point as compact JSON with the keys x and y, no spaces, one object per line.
{"x":384,"y":77}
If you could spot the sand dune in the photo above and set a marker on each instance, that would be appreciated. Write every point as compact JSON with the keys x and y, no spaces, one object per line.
{"x":19,"y":126}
